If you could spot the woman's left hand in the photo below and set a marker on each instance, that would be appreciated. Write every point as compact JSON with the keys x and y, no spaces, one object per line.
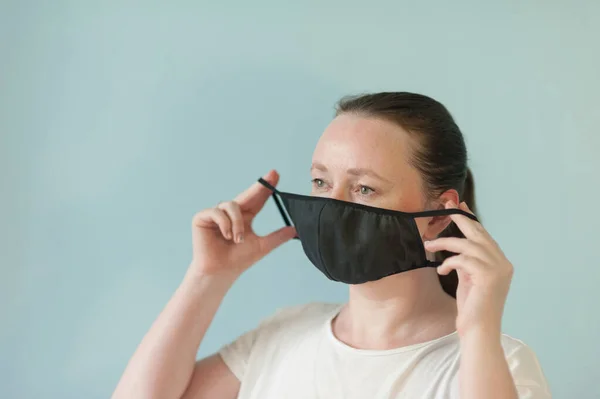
{"x":484,"y":275}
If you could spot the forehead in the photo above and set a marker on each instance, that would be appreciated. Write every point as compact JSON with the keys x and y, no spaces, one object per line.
{"x":354,"y":141}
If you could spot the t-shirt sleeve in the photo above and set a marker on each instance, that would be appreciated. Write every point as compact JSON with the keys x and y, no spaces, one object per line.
{"x":237,"y":353}
{"x":527,"y":373}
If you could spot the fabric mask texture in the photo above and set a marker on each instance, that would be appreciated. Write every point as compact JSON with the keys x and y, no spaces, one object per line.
{"x":355,"y":243}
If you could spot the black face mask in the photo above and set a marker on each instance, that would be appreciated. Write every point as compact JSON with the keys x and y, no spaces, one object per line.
{"x":355,"y":243}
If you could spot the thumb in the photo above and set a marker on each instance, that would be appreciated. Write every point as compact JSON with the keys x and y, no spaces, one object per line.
{"x":276,"y":238}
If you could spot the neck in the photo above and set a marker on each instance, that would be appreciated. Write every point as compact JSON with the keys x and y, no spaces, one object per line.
{"x":399,"y":310}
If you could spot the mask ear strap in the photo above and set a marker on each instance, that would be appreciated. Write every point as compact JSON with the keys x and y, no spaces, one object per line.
{"x":275,"y":196}
{"x":446,"y":212}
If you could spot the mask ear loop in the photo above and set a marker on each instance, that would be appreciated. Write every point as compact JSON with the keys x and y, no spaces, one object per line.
{"x":275,"y":196}
{"x":444,"y":212}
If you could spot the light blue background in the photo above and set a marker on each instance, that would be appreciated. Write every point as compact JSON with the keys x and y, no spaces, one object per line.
{"x":119,"y":122}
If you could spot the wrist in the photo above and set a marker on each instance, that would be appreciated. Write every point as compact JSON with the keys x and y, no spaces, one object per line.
{"x":197,"y":278}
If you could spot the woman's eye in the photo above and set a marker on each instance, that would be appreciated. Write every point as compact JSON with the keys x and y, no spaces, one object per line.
{"x":364,"y":190}
{"x":318,"y":183}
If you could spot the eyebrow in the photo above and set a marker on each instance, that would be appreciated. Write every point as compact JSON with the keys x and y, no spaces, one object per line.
{"x":352,"y":171}
{"x":318,"y":166}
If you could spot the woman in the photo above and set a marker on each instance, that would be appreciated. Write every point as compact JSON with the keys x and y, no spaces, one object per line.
{"x":421,"y":332}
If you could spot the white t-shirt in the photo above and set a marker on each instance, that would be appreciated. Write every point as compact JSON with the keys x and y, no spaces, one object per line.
{"x":294,"y":354}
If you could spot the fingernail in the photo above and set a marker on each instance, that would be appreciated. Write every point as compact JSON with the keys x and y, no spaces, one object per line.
{"x":228,"y":235}
{"x":239,"y":238}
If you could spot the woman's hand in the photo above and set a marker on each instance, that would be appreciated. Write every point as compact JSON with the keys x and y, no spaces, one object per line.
{"x":224,"y":245}
{"x":484,"y":275}
{"x":223,"y":240}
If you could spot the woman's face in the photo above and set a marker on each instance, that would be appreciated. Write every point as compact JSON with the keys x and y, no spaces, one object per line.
{"x":366,"y":160}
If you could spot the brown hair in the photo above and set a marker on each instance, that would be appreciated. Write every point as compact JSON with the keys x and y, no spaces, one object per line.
{"x":441,"y":156}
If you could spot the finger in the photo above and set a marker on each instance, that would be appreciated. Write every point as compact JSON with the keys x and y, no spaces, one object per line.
{"x":276,"y":238}
{"x":233,"y":211}
{"x":254,"y":198}
{"x":470,"y":228}
{"x":463,"y":205}
{"x":462,"y":263}
{"x":214,"y":217}
{"x":458,"y":246}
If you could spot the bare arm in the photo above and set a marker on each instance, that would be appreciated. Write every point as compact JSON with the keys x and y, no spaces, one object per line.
{"x":212,"y":379}
{"x":224,"y":246}
{"x":163,"y":364}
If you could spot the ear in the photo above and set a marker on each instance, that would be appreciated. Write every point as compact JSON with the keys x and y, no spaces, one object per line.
{"x":437,"y":224}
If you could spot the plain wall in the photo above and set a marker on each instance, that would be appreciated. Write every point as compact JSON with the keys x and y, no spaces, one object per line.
{"x":118,"y":122}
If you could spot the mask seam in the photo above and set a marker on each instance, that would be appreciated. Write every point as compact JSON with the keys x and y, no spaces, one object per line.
{"x":319,"y":246}
{"x":382,"y":211}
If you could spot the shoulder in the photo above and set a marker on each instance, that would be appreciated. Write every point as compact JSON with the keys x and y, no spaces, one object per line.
{"x":300,"y":316}
{"x":515,"y":348}
{"x":283,"y":327}
{"x":309,"y":310}
{"x":289,"y":326}
{"x":525,"y":368}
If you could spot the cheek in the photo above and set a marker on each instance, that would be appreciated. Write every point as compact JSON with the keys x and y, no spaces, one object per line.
{"x":404,"y":204}
{"x":422,"y":225}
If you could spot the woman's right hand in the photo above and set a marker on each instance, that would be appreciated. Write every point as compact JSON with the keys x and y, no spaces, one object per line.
{"x":223,"y":240}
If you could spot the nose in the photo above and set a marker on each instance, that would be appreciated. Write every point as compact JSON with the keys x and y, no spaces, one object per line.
{"x":340,"y":193}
